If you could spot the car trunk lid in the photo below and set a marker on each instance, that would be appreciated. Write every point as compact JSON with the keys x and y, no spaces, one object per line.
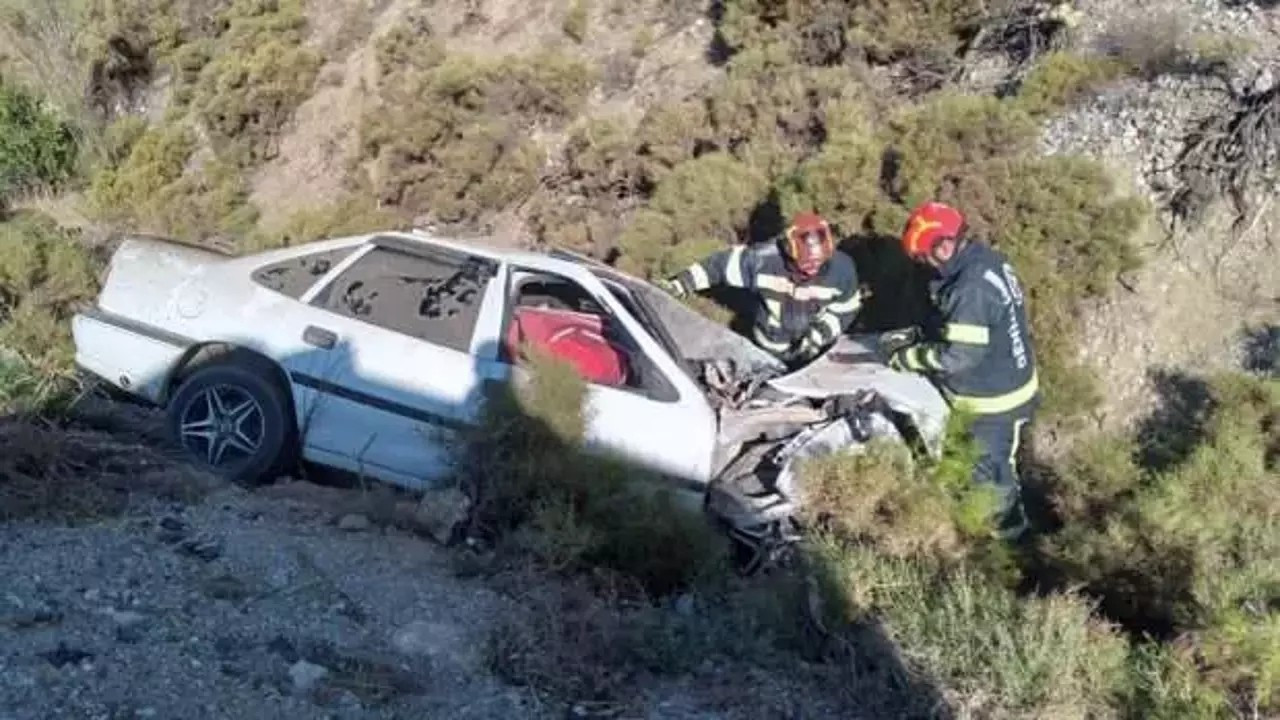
{"x":156,"y":281}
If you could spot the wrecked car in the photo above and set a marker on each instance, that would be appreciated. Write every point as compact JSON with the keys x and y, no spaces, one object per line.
{"x":363,"y":353}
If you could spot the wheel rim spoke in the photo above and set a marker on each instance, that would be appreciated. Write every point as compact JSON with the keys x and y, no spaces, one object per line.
{"x":217,"y":446}
{"x":239,"y":413}
{"x":241,"y":443}
{"x":218,"y":406}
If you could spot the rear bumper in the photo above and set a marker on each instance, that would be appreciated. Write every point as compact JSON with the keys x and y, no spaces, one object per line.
{"x":128,"y":356}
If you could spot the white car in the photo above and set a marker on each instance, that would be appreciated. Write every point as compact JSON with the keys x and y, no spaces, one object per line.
{"x":362,"y":353}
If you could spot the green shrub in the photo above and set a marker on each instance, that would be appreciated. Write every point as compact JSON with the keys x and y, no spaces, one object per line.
{"x":700,"y":206}
{"x":926,"y":35}
{"x":988,"y":651}
{"x":45,"y":275}
{"x":947,"y":134}
{"x":351,"y":215}
{"x":1180,"y":552}
{"x":1060,"y":79}
{"x":842,"y":181}
{"x":451,"y":138}
{"x":928,"y":32}
{"x":884,"y":500}
{"x":257,"y":75}
{"x":36,"y":147}
{"x":155,"y":188}
{"x":529,"y":472}
{"x":1069,"y":236}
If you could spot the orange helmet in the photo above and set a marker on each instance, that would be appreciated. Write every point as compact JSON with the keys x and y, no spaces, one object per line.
{"x":929,"y":223}
{"x":809,"y":243}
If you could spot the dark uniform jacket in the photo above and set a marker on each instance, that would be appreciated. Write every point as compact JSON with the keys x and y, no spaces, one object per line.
{"x":792,"y":309}
{"x":979,"y":347}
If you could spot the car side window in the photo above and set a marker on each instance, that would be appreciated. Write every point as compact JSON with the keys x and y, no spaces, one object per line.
{"x":293,"y":277}
{"x":432,"y":294}
{"x":554,"y":312}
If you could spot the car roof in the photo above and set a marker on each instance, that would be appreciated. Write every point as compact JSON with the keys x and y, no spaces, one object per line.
{"x":483,"y":248}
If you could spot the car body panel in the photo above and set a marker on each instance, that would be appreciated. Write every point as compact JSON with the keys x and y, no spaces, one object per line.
{"x":854,"y":364}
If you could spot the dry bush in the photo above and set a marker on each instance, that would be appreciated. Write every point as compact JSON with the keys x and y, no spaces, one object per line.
{"x":60,"y":475}
{"x":1163,"y":44}
{"x":601,"y":176}
{"x":577,"y":19}
{"x":1232,"y":154}
{"x":532,"y":479}
{"x":918,"y":36}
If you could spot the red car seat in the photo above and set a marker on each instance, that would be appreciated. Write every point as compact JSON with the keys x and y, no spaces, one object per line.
{"x":572,"y":336}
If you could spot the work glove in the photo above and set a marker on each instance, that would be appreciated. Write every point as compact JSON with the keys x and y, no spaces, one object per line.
{"x":674,"y":286}
{"x":898,"y":359}
{"x":802,"y":351}
{"x":895,"y":340}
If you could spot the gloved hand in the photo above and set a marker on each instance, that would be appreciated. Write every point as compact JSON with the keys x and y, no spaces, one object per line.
{"x":802,"y":351}
{"x":894,"y":340}
{"x":674,"y":286}
{"x":898,"y":359}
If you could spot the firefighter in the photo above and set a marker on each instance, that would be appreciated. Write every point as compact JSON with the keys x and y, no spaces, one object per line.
{"x":978,"y":349}
{"x":807,"y":290}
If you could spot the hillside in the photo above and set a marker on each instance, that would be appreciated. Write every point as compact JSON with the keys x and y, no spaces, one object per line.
{"x":1122,"y":154}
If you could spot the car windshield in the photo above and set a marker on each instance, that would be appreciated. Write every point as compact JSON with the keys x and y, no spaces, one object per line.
{"x":689,"y":336}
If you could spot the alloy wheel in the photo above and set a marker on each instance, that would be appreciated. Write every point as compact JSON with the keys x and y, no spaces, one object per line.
{"x":223,"y":424}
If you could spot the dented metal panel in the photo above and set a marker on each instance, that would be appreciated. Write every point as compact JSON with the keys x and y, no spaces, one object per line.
{"x":855,"y":364}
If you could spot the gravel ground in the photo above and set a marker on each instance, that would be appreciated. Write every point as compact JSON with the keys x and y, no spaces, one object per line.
{"x":241,"y":607}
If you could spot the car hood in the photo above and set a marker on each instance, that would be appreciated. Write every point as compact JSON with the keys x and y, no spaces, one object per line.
{"x":856,"y":364}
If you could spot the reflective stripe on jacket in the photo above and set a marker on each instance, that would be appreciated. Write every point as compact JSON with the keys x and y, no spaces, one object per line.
{"x":980,"y":348}
{"x":790,"y":308}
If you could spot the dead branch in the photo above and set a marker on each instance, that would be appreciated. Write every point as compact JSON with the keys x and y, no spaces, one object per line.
{"x":1229,"y":154}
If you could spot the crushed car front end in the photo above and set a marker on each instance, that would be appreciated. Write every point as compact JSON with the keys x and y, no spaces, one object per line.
{"x":771,"y":420}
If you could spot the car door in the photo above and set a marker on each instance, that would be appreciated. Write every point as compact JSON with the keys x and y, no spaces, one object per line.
{"x":659,"y":419}
{"x":388,"y":374}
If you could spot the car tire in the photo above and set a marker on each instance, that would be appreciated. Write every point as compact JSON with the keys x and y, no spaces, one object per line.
{"x":233,"y":419}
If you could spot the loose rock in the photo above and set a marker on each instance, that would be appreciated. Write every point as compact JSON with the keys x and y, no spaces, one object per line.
{"x":353,"y":523}
{"x":306,"y":676}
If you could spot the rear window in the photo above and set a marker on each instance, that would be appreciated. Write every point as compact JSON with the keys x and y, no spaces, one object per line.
{"x":293,"y":277}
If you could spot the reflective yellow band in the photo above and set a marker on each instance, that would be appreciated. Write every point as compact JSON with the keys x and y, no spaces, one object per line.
{"x":699,"y":276}
{"x":776,"y":283}
{"x":768,"y":344}
{"x":999,"y":403}
{"x":847,"y":306}
{"x":815,"y":292}
{"x":930,"y":358}
{"x":912,"y":358}
{"x":967,"y":334}
{"x":783,"y":285}
{"x":775,"y":312}
{"x":833,"y":324}
{"x":733,"y":272}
